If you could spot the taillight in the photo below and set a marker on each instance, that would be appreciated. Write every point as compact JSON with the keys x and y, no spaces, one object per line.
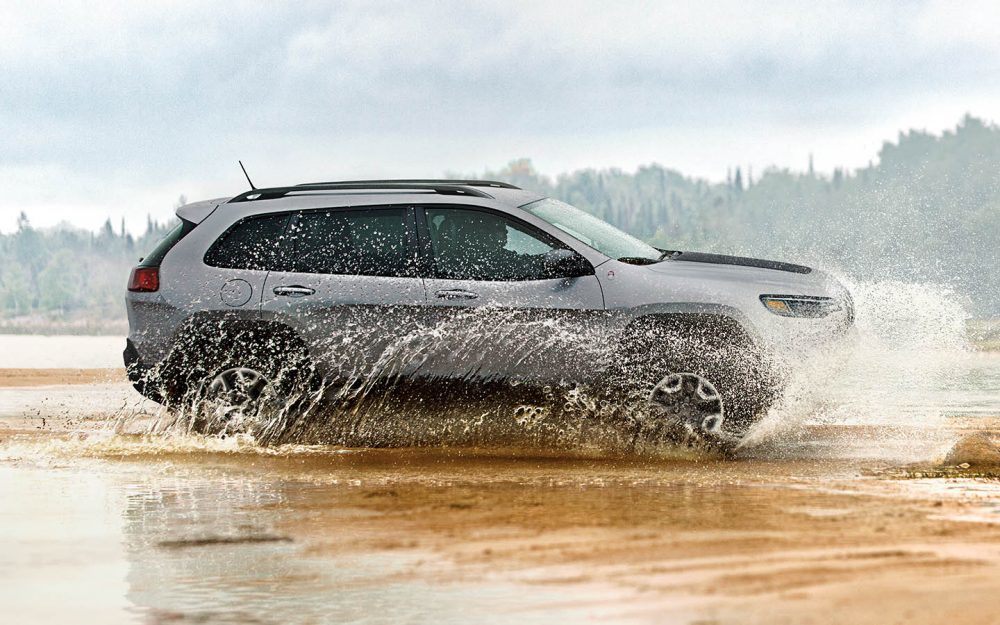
{"x":144,"y":280}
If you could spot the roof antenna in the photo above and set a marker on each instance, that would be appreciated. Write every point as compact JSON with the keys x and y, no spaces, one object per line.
{"x":252,"y":188}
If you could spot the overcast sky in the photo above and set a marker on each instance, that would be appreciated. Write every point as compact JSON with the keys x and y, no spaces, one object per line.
{"x":112,"y":109}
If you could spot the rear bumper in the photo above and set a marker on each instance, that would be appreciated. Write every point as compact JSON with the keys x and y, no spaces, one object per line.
{"x":140,"y":374}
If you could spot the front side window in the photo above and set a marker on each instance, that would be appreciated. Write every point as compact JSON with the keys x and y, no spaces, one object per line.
{"x":369,"y":242}
{"x":596,"y":233}
{"x":476,"y":245}
{"x":253,"y":243}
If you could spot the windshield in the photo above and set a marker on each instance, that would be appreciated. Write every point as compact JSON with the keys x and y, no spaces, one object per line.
{"x":596,"y":233}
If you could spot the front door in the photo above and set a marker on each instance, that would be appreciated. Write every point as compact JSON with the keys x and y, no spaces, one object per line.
{"x":501,"y":310}
{"x":349,"y":286}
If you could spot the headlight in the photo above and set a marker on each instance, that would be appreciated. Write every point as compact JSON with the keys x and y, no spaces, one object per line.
{"x":800,"y":305}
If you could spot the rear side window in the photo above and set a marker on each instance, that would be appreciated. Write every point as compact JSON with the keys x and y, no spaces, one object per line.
{"x":253,"y":243}
{"x":370,"y":242}
{"x":178,"y":232}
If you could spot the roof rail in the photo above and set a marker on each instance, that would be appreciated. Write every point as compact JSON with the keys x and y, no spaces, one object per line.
{"x":463,"y":182}
{"x":450,"y":188}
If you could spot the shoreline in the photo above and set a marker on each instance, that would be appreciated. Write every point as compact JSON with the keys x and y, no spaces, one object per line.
{"x":25,"y":377}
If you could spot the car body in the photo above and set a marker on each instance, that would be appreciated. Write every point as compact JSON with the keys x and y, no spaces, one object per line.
{"x":476,"y":280}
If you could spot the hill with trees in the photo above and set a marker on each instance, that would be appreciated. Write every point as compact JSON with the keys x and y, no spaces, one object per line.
{"x":66,"y":279}
{"x":926,"y":210}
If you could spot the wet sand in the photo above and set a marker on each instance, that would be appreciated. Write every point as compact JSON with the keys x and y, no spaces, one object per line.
{"x":823,"y":520}
{"x":658,"y":542}
{"x":213,"y":531}
{"x":25,"y":377}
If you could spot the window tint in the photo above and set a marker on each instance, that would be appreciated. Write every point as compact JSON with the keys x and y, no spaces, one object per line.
{"x":357,"y":242}
{"x":476,"y":245}
{"x":253,"y":243}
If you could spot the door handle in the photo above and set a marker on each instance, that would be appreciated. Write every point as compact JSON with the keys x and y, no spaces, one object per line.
{"x":293,"y":291}
{"x":456,"y":294}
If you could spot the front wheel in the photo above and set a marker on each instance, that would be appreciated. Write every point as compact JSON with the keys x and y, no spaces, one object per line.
{"x":687,"y":409}
{"x":696,"y":382}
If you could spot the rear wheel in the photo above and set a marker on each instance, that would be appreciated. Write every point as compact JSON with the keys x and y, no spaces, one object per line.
{"x":232,"y":401}
{"x":242,"y":380}
{"x":248,"y":396}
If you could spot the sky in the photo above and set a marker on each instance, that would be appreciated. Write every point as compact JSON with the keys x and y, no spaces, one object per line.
{"x":116,"y":109}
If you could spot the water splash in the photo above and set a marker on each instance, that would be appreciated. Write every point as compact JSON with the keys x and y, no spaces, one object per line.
{"x":891,"y":389}
{"x":447,"y":381}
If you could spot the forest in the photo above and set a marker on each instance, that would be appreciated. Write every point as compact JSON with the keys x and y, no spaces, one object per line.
{"x":925,"y":209}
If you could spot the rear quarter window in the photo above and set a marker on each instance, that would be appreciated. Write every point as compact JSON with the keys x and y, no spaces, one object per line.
{"x":154,"y":258}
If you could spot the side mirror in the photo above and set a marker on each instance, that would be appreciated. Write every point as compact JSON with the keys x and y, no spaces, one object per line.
{"x":567,"y":264}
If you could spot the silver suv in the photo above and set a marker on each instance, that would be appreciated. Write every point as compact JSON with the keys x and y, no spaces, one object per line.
{"x":333,"y":289}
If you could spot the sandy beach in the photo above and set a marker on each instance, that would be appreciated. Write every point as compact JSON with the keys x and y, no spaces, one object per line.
{"x":24,"y":377}
{"x":682,"y":537}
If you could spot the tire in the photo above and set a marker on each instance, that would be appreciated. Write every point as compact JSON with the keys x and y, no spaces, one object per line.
{"x":241,"y":381}
{"x":697,"y":381}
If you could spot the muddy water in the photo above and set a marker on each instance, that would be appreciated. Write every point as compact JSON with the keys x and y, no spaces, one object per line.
{"x":104,"y":528}
{"x":839,"y":508}
{"x":202,"y":539}
{"x":809,"y":522}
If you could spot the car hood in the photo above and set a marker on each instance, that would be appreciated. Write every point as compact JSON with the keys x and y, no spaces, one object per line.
{"x":705,"y":271}
{"x":740,"y":261}
{"x":735,"y":284}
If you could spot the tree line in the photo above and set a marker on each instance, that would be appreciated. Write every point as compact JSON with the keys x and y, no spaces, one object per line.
{"x":927,"y":210}
{"x":66,"y":273}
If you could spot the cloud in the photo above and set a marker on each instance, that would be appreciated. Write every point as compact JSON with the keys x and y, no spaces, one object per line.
{"x":140,"y":101}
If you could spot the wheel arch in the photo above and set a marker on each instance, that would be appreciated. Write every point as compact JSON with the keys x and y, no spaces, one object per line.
{"x":707,"y":341}
{"x":206,"y":339}
{"x":715,"y":323}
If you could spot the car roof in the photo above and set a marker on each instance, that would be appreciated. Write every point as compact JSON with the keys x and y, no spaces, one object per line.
{"x":489,"y":189}
{"x":366,"y":193}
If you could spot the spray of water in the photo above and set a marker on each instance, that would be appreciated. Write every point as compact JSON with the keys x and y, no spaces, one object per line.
{"x":893,"y":389}
{"x":893,"y":383}
{"x":448,"y":381}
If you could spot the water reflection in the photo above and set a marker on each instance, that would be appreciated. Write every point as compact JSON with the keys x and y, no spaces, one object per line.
{"x":172,"y":532}
{"x":260,"y":572}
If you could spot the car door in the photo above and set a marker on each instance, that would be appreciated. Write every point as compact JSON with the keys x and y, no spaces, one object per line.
{"x":349,"y":286}
{"x":503,"y":308}
{"x":235,"y":267}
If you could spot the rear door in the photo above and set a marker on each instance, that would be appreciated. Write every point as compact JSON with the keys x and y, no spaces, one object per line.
{"x":237,"y":263}
{"x":349,"y":286}
{"x":500,"y":310}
